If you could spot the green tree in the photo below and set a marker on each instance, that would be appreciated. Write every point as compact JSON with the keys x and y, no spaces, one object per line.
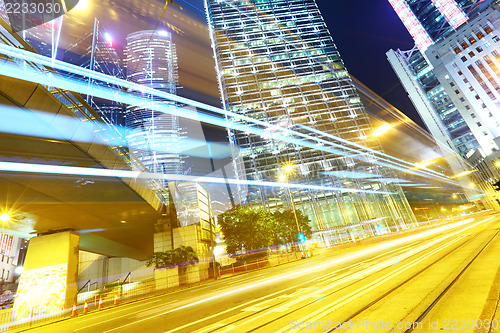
{"x":183,"y":254}
{"x":158,"y":259}
{"x":170,"y":257}
{"x":285,"y":228}
{"x":247,"y":228}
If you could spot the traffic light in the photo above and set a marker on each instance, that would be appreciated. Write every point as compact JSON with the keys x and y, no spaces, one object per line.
{"x":302,"y":238}
{"x":497,"y":186}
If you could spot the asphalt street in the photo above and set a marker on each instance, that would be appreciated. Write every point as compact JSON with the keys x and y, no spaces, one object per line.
{"x":445,"y":278}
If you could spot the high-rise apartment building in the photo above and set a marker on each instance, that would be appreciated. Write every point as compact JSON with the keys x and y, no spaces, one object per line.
{"x":154,"y":136}
{"x":278,"y":64}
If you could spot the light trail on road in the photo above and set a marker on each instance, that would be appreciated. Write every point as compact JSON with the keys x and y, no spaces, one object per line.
{"x":324,"y":265}
{"x":303,"y":290}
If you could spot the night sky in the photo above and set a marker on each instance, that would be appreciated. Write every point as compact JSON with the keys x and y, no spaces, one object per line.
{"x":363,"y":31}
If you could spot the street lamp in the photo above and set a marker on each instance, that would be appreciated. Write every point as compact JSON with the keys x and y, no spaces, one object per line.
{"x":288,"y":169}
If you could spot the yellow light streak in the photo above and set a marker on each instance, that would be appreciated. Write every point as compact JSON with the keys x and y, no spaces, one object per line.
{"x":381,"y":130}
{"x":465,"y":173}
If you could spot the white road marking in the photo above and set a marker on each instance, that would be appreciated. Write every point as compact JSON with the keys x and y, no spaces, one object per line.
{"x":114,"y":318}
{"x":310,"y":269}
{"x":322,"y":312}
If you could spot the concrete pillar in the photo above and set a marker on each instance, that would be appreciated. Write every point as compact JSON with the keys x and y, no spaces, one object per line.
{"x":163,"y":238}
{"x":163,"y":241}
{"x":49,"y":281}
{"x":192,"y":236}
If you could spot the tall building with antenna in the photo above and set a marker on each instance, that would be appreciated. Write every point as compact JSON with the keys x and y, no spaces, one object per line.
{"x":154,"y":137}
{"x":278,"y":64}
{"x":96,"y":51}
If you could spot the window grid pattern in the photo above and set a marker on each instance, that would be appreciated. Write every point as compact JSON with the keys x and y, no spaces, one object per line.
{"x":278,"y":63}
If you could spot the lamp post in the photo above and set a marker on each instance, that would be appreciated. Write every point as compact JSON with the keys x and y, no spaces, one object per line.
{"x":288,"y":168}
{"x":284,"y":179}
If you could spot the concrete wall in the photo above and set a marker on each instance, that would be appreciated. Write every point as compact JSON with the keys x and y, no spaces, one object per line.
{"x":166,"y":278}
{"x":103,"y":270}
{"x":163,"y":241}
{"x":191,"y":236}
{"x":48,"y":283}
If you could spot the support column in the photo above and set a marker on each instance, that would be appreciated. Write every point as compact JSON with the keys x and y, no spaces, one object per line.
{"x":49,"y":280}
{"x":163,"y":237}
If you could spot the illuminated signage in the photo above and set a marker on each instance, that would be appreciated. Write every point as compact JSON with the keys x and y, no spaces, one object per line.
{"x":451,"y":11}
{"x":5,"y":244}
{"x":412,"y":24}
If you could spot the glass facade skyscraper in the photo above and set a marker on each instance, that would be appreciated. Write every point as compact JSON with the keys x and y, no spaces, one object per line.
{"x":278,"y":64}
{"x":427,"y":21}
{"x":154,"y":137}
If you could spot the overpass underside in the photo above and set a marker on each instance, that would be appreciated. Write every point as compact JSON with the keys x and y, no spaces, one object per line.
{"x":114,"y":216}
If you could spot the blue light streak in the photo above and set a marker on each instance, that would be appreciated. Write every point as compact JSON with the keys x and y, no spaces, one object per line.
{"x":47,"y":125}
{"x":95,"y":172}
{"x":350,"y":174}
{"x":128,"y":98}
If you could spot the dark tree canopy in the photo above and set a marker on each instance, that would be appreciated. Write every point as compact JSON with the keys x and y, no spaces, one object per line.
{"x":256,"y":228}
{"x":179,"y":255}
{"x":286,"y":226}
{"x":246,"y":228}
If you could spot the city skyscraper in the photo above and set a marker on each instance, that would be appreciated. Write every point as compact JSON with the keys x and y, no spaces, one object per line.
{"x":278,"y":64}
{"x":451,"y":112}
{"x":434,"y":105}
{"x":96,"y":51}
{"x":154,"y":137}
{"x":427,"y":21}
{"x":105,"y":59}
{"x":466,"y":63}
{"x":430,"y":21}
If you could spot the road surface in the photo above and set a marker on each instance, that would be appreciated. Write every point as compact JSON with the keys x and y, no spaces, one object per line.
{"x":441,"y":279}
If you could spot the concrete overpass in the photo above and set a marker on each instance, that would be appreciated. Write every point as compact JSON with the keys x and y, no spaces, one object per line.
{"x":65,"y":212}
{"x":114,"y":216}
